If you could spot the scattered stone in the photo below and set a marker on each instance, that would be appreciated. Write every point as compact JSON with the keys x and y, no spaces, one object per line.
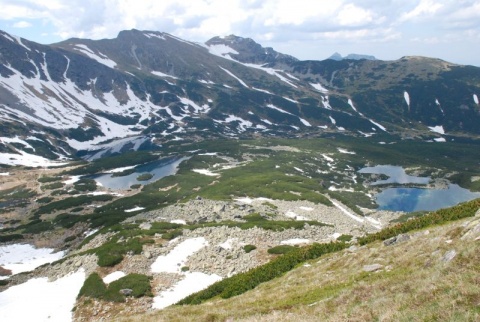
{"x":145,"y":225}
{"x":397,"y":239}
{"x":449,"y":255}
{"x":372,"y":267}
{"x":352,"y":249}
{"x":126,"y":291}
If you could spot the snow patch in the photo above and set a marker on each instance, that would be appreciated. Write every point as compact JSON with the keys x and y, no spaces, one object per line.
{"x":332,"y":120}
{"x":295,"y":241}
{"x":28,"y":160}
{"x":475,"y":98}
{"x":437,"y":129}
{"x":222,"y":50}
{"x":345,"y":151}
{"x":178,"y":221}
{"x":290,"y":100}
{"x":233,"y":75}
{"x":350,"y":102}
{"x":100,"y":58}
{"x":176,"y":258}
{"x":24,"y":257}
{"x":160,"y":74}
{"x":306,"y":208}
{"x":407,"y":97}
{"x":41,"y":300}
{"x":134,"y":209}
{"x":305,"y":122}
{"x":206,"y":172}
{"x":113,"y":277}
{"x":440,"y":140}
{"x":381,"y":127}
{"x":192,"y":283}
{"x":319,"y":87}
{"x":291,"y":214}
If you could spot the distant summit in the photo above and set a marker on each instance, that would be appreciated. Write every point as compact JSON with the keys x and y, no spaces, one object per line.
{"x":337,"y":56}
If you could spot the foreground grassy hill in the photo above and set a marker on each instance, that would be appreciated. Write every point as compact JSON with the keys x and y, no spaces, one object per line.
{"x":431,"y":274}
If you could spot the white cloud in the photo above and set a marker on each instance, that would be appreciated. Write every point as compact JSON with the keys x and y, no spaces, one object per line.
{"x":22,"y":24}
{"x":358,"y":24}
{"x":424,"y":8}
{"x":351,"y":15}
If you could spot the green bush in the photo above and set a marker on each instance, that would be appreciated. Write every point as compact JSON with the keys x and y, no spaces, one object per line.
{"x":172,"y":234}
{"x":281,"y":249}
{"x":345,"y":238}
{"x":53,"y":186}
{"x":145,"y":177}
{"x":249,"y":248}
{"x":37,"y":226}
{"x":138,"y":283}
{"x":72,"y":202}
{"x":93,"y":287}
{"x":47,"y":179}
{"x":246,"y":281}
{"x":9,"y":238}
{"x":68,"y":220}
{"x":123,"y":173}
{"x":112,"y":252}
{"x":85,"y":185}
{"x":44,"y":200}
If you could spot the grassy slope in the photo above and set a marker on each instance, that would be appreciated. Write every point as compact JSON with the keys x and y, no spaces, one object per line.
{"x":415,"y":285}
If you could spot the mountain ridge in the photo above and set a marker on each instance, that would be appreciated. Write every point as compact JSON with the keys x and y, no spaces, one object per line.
{"x":82,"y":92}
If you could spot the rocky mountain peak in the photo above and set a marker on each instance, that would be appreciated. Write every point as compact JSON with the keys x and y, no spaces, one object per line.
{"x":249,"y":51}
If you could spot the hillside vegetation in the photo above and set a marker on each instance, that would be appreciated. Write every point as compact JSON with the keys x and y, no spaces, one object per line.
{"x":431,"y":275}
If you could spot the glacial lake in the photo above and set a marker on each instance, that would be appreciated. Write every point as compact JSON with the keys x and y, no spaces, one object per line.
{"x":158,"y":169}
{"x":415,"y":199}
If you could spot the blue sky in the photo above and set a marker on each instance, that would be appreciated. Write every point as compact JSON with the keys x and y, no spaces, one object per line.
{"x":306,"y":29}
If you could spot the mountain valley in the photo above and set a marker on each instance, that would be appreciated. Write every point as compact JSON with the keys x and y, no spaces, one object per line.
{"x":146,"y":168}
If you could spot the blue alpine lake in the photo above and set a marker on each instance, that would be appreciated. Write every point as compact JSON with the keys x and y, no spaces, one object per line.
{"x":415,"y":199}
{"x":158,"y":169}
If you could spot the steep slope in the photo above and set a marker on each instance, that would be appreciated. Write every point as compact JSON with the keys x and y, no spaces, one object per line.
{"x":431,"y":274}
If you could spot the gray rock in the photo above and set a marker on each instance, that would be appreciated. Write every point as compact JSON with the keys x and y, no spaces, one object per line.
{"x":449,"y":255}
{"x":352,"y":249}
{"x":145,"y":225}
{"x":397,"y":239}
{"x":147,"y":254}
{"x":372,"y":267}
{"x":126,"y":291}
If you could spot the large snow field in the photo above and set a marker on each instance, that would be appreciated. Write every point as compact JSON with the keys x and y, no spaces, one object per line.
{"x":24,"y":257}
{"x":40,"y":300}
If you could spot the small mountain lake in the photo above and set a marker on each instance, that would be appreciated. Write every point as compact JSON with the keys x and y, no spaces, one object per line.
{"x":157,"y":169}
{"x":415,"y":199}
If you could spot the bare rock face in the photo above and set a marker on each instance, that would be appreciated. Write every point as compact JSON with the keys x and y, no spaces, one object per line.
{"x":5,"y":272}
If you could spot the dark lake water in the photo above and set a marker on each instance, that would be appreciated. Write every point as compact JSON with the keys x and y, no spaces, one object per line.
{"x":158,"y":169}
{"x":415,"y":199}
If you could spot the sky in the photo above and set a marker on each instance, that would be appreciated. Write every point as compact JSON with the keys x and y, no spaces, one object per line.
{"x":306,"y":29}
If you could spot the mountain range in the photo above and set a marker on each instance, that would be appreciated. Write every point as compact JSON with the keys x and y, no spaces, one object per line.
{"x":90,"y":98}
